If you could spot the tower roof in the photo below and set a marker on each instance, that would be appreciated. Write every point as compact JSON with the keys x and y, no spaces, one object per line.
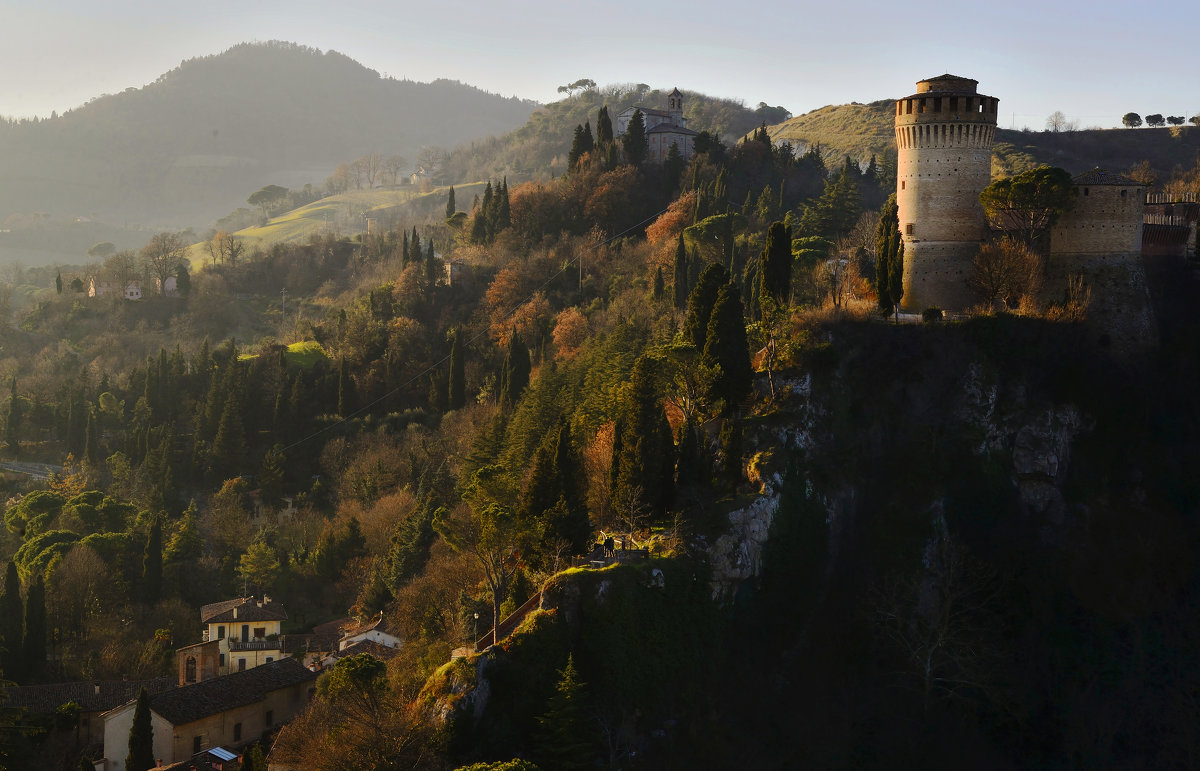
{"x":675,"y":92}
{"x":947,"y":82}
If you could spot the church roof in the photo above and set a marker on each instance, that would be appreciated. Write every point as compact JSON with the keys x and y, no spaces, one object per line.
{"x":667,"y":128}
{"x":1099,"y":176}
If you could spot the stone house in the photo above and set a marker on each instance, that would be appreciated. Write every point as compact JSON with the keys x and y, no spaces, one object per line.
{"x":229,"y":711}
{"x":663,"y":128}
{"x":100,"y":288}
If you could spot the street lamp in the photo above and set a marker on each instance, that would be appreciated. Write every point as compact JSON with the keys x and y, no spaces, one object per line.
{"x":475,"y":639}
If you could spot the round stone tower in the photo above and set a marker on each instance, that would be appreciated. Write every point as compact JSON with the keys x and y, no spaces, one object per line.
{"x":944,"y":136}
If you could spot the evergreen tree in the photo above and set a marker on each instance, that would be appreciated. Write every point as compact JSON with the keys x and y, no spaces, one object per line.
{"x":141,"y":736}
{"x":604,"y":129}
{"x":502,"y":218}
{"x":152,"y":563}
{"x":345,"y":393}
{"x":659,"y":284}
{"x":515,"y":375}
{"x":92,"y":441}
{"x":700,"y":304}
{"x":679,"y":280}
{"x":58,"y":284}
{"x":691,"y":467}
{"x":457,"y":383}
{"x":11,"y":627}
{"x":555,"y":494}
{"x":33,"y":645}
{"x":433,"y":266}
{"x":776,"y":270}
{"x":645,"y":468}
{"x":729,"y":460}
{"x":725,"y":348}
{"x":450,"y":207}
{"x":634,"y":142}
{"x":565,"y":738}
{"x":889,"y":251}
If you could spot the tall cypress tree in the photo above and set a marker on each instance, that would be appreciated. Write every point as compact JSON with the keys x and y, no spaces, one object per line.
{"x":700,"y":304}
{"x":725,"y":347}
{"x":515,"y":376}
{"x":152,"y":563}
{"x":647,"y":451}
{"x":33,"y":645}
{"x":555,"y":493}
{"x":776,"y":270}
{"x":604,"y":129}
{"x":450,"y":206}
{"x":457,"y":384}
{"x":679,"y":279}
{"x":659,"y":285}
{"x":634,"y":142}
{"x":889,"y":257}
{"x":11,"y":627}
{"x":141,"y":736}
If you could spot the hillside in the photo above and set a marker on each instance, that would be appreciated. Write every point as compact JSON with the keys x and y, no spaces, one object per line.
{"x":861,"y":130}
{"x":193,"y":144}
{"x":539,"y":148}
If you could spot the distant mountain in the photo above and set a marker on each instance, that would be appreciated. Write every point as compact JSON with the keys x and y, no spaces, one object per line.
{"x":862,"y":130}
{"x":195,"y":143}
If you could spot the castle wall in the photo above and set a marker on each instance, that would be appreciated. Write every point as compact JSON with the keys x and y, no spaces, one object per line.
{"x":936,"y":273}
{"x":1105,"y":219}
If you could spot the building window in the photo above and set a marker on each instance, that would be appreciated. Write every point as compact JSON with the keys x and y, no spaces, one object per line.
{"x":245,"y":633}
{"x":222,"y":659}
{"x":190,"y":670}
{"x":221,"y":633}
{"x":270,"y":718}
{"x":195,"y":745}
{"x":1086,"y":190}
{"x":237,"y":732}
{"x":241,"y":665}
{"x":902,"y":183}
{"x":260,"y":632}
{"x":908,"y":229}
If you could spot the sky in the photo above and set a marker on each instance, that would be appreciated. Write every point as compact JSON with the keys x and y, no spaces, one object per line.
{"x":1093,"y":60}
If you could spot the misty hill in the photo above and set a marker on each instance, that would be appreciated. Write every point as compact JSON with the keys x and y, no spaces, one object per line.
{"x":861,"y":130}
{"x":193,"y":144}
{"x":539,"y":148}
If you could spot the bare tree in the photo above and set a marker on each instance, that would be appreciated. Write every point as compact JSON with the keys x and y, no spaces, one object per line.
{"x":393,"y":165}
{"x":1056,"y":121}
{"x":1005,"y":271}
{"x":163,"y":257}
{"x":431,"y":158}
{"x":370,"y":165}
{"x":225,"y":247}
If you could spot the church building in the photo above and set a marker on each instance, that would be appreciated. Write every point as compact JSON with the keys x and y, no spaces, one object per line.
{"x":663,"y":128}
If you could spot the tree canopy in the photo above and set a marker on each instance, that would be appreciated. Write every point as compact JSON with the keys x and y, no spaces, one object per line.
{"x":1025,"y":206}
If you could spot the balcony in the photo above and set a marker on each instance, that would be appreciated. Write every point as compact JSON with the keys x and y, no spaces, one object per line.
{"x":253,"y":645}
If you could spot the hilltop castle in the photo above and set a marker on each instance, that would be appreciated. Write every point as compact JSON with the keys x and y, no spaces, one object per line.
{"x":944,"y":135}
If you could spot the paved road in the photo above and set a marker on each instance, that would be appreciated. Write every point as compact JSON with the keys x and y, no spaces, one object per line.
{"x":40,"y":471}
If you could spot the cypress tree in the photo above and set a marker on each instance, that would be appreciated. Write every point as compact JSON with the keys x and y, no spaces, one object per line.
{"x":11,"y":627}
{"x":659,"y":284}
{"x":634,"y":142}
{"x":889,"y":251}
{"x":776,"y":271}
{"x":700,"y":304}
{"x":33,"y":645}
{"x":92,"y":441}
{"x":432,"y":266}
{"x":679,"y":279}
{"x":152,"y":562}
{"x":647,"y":449}
{"x":725,"y":347}
{"x":345,"y":396}
{"x":730,"y":456}
{"x":690,"y":469}
{"x":515,"y":376}
{"x":450,"y":207}
{"x":229,"y":445}
{"x":457,"y":384}
{"x":58,"y":282}
{"x":604,"y":129}
{"x":554,"y":492}
{"x":141,"y":736}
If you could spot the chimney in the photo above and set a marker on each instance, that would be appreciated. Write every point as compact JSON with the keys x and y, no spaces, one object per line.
{"x":235,"y":611}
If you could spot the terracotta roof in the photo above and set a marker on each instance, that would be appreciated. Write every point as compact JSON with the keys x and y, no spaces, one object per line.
{"x":242,"y":609}
{"x":190,"y":703}
{"x":376,"y":622}
{"x":1099,"y":176}
{"x":377,"y":650}
{"x":90,"y":696}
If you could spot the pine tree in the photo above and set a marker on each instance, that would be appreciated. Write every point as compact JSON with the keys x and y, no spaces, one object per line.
{"x":33,"y":644}
{"x":565,"y":739}
{"x":457,"y":383}
{"x":725,"y":348}
{"x":700,"y":304}
{"x":152,"y":563}
{"x":450,"y":207}
{"x":11,"y":627}
{"x":141,"y":736}
{"x":679,"y":280}
{"x":634,"y":142}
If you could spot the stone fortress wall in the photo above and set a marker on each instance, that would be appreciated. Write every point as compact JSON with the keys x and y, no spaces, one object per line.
{"x":944,"y":136}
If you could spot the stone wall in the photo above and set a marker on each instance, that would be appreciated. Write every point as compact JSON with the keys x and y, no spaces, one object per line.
{"x":1105,"y":219}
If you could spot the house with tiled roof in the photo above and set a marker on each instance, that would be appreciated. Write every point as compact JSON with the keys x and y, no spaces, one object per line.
{"x":229,"y":711}
{"x":93,"y":697}
{"x":246,"y":631}
{"x":663,"y":128}
{"x":376,"y":636}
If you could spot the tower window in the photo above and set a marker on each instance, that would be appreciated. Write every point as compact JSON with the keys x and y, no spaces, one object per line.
{"x":908,"y":229}
{"x":954,"y":104}
{"x":937,"y":104}
{"x":1086,"y":190}
{"x":902,"y":183}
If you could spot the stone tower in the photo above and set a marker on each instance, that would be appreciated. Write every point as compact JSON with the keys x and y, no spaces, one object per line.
{"x":944,"y":136}
{"x":675,"y":107}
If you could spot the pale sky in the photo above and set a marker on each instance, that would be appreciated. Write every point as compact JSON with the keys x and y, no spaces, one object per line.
{"x":1092,"y":60}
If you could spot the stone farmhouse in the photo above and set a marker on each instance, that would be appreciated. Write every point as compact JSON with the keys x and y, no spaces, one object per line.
{"x":663,"y":128}
{"x":230,"y":711}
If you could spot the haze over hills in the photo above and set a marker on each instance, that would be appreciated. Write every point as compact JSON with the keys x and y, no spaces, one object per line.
{"x":192,"y":145}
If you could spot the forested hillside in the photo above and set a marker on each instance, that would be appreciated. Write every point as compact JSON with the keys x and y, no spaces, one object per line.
{"x":837,"y":540}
